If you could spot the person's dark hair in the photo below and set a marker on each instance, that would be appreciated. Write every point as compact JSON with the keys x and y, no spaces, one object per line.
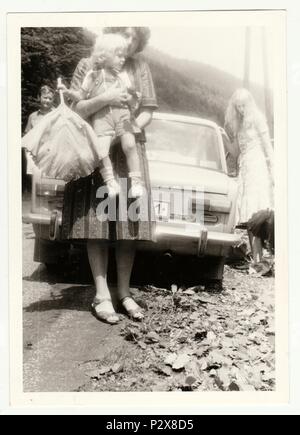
{"x":45,"y":89}
{"x":143,"y":35}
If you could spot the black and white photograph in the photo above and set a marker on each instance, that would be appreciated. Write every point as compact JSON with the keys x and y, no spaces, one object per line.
{"x":149,"y":256}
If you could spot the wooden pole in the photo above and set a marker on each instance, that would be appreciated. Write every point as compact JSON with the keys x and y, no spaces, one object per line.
{"x":268,"y":104}
{"x":246,"y":82}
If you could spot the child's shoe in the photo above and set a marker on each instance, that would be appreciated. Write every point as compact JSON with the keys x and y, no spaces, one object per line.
{"x":113,"y":188}
{"x":137,"y":188}
{"x":107,"y":174}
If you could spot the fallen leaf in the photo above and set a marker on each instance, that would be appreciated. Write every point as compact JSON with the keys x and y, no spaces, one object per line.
{"x":190,"y":380}
{"x":152,"y":337}
{"x":94,"y":374}
{"x":195,"y":316}
{"x":131,"y":334}
{"x":248,"y":312}
{"x":163,"y":344}
{"x":223,"y":377}
{"x":189,"y":292}
{"x":117,"y":368}
{"x":170,"y":359}
{"x":103,"y":370}
{"x":211,"y":337}
{"x":264,"y":348}
{"x":182,"y":339}
{"x":202,"y":351}
{"x":180,"y":361}
{"x":253,"y":353}
{"x":167,"y":371}
{"x":200,"y":335}
{"x":270,"y":332}
{"x":233,"y":387}
{"x":226,"y":342}
{"x":142,"y":344}
{"x":268,"y":377}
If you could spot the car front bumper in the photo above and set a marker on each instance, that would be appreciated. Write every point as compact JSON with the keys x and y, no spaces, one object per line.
{"x":193,"y":238}
{"x":176,"y":236}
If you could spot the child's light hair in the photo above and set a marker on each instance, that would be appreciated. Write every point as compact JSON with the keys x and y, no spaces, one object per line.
{"x":107,"y":44}
{"x":252,"y":115}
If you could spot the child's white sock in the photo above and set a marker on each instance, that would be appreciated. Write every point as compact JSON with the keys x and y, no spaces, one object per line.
{"x":137,"y":188}
{"x":109,"y":179}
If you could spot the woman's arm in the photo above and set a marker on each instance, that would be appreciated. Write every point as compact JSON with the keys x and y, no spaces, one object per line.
{"x":29,"y":124}
{"x":233,"y":148}
{"x":232,"y":145}
{"x":144,"y":118}
{"x":86,"y":108}
{"x":145,"y":86}
{"x":114,"y":96}
{"x":269,"y":152}
{"x":267,"y":146}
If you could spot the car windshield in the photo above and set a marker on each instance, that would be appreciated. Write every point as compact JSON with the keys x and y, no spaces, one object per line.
{"x":183,"y":143}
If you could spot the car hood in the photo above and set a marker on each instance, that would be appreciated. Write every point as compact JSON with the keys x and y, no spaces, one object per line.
{"x":176,"y":175}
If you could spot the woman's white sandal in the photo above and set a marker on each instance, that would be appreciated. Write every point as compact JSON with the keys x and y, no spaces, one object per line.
{"x":134,"y":313}
{"x":106,"y":316}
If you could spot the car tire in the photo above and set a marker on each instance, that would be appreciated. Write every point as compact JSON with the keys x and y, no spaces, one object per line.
{"x":49,"y":252}
{"x":215,"y":268}
{"x":53,"y":268}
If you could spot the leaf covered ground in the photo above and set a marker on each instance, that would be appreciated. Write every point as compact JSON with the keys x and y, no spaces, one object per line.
{"x":195,"y":340}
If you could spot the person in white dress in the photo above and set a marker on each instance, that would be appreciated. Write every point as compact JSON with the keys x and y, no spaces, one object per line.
{"x":251,"y":145}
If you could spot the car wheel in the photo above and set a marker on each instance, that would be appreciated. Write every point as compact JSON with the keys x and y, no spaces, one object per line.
{"x":53,"y":267}
{"x":49,"y":252}
{"x":215,"y":268}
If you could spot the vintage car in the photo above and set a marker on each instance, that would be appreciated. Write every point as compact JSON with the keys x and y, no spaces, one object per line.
{"x":193,"y":196}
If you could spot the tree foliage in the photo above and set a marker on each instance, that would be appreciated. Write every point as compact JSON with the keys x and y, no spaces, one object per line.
{"x":46,"y":54}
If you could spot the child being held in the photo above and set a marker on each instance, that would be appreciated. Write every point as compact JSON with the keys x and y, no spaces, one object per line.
{"x":108,"y":58}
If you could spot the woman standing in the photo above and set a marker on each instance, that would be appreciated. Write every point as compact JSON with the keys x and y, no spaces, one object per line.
{"x":247,"y":128}
{"x":80,"y":220}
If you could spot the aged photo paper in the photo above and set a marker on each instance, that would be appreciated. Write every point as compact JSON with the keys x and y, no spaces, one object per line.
{"x":210,"y":309}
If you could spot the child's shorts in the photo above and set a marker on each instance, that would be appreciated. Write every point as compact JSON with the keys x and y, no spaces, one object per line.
{"x":114,"y":121}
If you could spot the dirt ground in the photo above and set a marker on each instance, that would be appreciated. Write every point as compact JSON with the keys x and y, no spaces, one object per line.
{"x":191,"y":339}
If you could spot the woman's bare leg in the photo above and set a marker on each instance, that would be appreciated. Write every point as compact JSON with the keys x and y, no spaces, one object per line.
{"x":125,"y":253}
{"x":256,"y":247}
{"x":98,"y":259}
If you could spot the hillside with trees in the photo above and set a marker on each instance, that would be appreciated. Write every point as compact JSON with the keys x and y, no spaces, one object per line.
{"x":194,"y":88}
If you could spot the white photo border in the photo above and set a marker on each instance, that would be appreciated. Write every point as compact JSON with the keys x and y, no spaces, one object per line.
{"x":195,"y":400}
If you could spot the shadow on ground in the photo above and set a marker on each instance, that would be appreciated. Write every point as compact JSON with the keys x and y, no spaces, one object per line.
{"x":77,"y":298}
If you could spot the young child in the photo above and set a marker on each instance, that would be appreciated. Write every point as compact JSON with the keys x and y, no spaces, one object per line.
{"x":46,"y":99}
{"x":108,"y":58}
